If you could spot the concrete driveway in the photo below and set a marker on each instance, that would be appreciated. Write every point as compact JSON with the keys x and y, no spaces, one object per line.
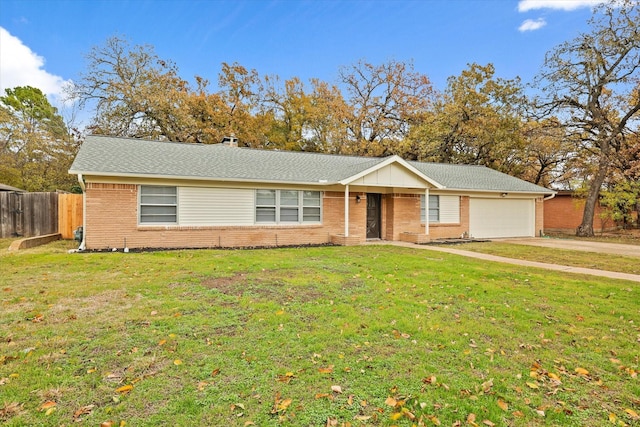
{"x":578,"y":245}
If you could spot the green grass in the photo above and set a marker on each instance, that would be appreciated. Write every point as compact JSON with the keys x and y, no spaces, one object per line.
{"x":598,"y":261}
{"x":357,"y":335}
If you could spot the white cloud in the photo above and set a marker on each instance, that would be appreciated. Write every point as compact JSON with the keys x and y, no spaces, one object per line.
{"x":527,"y":5}
{"x":20,"y":66}
{"x":532,"y":25}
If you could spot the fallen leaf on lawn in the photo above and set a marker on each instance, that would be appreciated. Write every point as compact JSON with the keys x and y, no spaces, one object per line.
{"x":553,"y":376}
{"x":488,"y":423}
{"x":327,"y":370}
{"x":582,"y":371}
{"x":391,"y":401}
{"x":518,"y":414}
{"x":336,"y":389}
{"x":396,"y":416}
{"x":106,"y":424}
{"x":47,"y":405}
{"x":249,"y":423}
{"x":612,"y":417}
{"x":124,"y":389}
{"x":434,"y":420}
{"x":162,"y":342}
{"x":279,"y":312}
{"x":471,"y":418}
{"x":282,"y":406}
{"x":633,"y":414}
{"x":177,"y":362}
{"x":85,"y":410}
{"x":486,"y":386}
{"x":540,"y":412}
{"x":429,"y":380}
{"x":533,"y":385}
{"x":503,"y":405}
{"x":215,"y":372}
{"x":362,"y":417}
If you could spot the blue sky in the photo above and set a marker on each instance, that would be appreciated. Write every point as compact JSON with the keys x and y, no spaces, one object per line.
{"x":43,"y":42}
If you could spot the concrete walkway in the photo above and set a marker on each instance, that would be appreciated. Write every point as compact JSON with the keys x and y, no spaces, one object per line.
{"x":578,"y":245}
{"x":535,"y":264}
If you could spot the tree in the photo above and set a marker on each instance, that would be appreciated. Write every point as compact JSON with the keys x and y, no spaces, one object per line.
{"x":477,"y":120}
{"x":385,"y":101}
{"x":135,"y":93}
{"x":592,"y":84}
{"x":36,"y":148}
{"x":547,"y":151}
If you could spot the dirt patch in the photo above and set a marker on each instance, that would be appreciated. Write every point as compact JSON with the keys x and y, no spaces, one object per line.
{"x":271,"y":285}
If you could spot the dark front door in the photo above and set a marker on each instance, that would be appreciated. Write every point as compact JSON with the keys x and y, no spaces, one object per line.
{"x":373,"y":215}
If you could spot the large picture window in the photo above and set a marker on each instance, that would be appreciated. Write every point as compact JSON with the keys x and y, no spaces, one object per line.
{"x":158,"y":205}
{"x":287,"y":206}
{"x":434,"y":208}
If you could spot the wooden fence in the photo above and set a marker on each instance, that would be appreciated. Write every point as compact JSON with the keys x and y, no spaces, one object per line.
{"x":37,"y":214}
{"x":69,"y":214}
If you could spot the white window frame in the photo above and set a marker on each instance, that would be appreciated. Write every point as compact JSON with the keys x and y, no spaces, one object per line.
{"x":142,"y":205}
{"x":279,"y":208}
{"x":432,"y":209}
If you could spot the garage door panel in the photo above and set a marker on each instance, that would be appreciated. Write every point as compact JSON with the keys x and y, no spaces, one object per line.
{"x":501,"y":217}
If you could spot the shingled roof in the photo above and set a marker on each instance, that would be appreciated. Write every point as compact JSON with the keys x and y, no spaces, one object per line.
{"x":127,"y":157}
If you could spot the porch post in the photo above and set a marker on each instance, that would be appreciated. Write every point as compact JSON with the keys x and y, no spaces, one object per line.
{"x":346,"y":211}
{"x":426,"y":211}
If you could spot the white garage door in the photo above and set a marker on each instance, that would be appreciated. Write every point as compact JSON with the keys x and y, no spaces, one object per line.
{"x":501,"y":217}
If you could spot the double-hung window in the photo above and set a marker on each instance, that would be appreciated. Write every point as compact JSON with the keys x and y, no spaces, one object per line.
{"x":158,"y":204}
{"x":433,"y":208}
{"x":287,"y":206}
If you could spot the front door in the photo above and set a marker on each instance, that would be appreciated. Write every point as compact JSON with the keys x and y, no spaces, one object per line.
{"x":373,"y":215}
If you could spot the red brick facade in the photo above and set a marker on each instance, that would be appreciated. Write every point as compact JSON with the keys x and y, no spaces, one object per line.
{"x":563,"y":214}
{"x":112,"y":222}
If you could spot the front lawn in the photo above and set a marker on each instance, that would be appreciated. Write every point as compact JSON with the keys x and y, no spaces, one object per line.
{"x":344,"y":336}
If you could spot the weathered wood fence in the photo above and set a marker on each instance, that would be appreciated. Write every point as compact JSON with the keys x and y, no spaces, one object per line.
{"x":37,"y":214}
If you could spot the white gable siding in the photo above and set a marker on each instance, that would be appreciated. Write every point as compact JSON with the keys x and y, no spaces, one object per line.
{"x":449,"y":209}
{"x":392,"y":175}
{"x":215,"y":206}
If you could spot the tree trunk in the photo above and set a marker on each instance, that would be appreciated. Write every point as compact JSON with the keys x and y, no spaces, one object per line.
{"x":586,"y":228}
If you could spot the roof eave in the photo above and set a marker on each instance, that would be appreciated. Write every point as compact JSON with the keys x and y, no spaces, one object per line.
{"x":200,"y":178}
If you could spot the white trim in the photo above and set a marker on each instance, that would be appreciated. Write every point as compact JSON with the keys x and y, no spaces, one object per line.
{"x":426,"y":212}
{"x":346,"y":210}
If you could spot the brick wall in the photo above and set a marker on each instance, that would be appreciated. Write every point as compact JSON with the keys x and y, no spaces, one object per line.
{"x":451,"y":231}
{"x":564,"y":212}
{"x":112,"y":211}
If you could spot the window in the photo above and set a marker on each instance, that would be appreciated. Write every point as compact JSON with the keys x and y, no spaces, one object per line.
{"x":158,"y":205}
{"x":287,"y":206}
{"x":434,"y":208}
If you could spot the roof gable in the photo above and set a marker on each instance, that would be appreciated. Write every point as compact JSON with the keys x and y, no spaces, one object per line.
{"x":392,"y":171}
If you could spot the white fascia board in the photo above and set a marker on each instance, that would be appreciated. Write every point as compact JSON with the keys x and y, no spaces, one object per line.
{"x":386,"y":162}
{"x":200,"y":178}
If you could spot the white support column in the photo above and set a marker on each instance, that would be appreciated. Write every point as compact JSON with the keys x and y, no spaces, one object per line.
{"x":346,"y":211}
{"x":426,"y":211}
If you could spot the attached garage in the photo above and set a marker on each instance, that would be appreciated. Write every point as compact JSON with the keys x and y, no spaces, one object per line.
{"x":490,"y":218}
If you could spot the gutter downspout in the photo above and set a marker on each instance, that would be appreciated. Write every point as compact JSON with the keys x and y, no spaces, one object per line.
{"x":83,"y":244}
{"x":549,"y":197}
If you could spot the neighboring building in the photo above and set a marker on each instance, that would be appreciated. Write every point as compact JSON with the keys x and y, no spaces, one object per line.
{"x":563,"y":214}
{"x":153,"y":194}
{"x":4,"y":187}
